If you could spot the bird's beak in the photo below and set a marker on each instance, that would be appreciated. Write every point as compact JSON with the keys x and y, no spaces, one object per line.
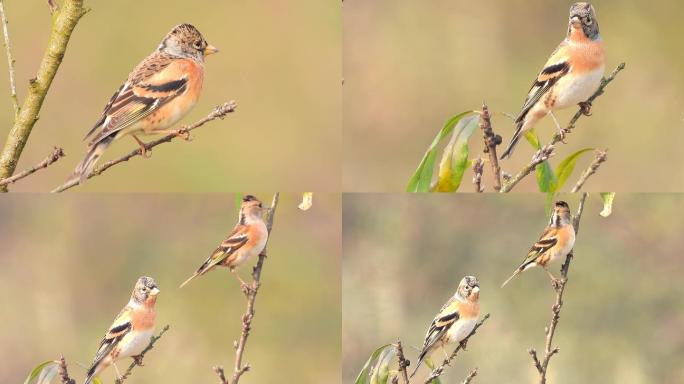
{"x":575,"y":21}
{"x":154,"y":291}
{"x":476,"y":289}
{"x":209,"y":50}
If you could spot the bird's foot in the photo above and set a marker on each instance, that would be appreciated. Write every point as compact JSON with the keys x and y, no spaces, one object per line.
{"x":138,"y":360}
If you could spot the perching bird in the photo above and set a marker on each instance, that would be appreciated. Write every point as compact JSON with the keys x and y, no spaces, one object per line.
{"x":247,"y":239}
{"x":570,"y":76}
{"x":131,"y":331}
{"x":455,"y":320}
{"x":555,"y":242}
{"x":158,"y":93}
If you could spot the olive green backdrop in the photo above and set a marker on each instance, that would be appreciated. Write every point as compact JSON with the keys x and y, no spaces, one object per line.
{"x":280,"y":60}
{"x":69,"y":265}
{"x":622,"y":318}
{"x":410,"y":65}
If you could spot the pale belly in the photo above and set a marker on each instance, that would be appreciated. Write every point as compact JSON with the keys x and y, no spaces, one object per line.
{"x":577,"y":90}
{"x":563,"y":251}
{"x":134,"y":345}
{"x":460,"y":330}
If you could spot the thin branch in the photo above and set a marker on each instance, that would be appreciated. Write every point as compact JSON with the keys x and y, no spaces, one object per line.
{"x":559,"y":286}
{"x":491,"y":140}
{"x":462,"y":345}
{"x":138,"y":360}
{"x":542,"y":155}
{"x":56,"y":154}
{"x":478,"y":169}
{"x":470,"y":376}
{"x":221,"y":374}
{"x":403,"y":363}
{"x":601,"y":157}
{"x":581,"y":112}
{"x":63,"y":23}
{"x":63,"y":372}
{"x":10,"y":60}
{"x":219,"y":112}
{"x":251,"y":293}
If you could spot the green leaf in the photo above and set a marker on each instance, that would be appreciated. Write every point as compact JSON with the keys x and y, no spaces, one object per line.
{"x":422,"y":177}
{"x":546,"y":178}
{"x":565,"y":168}
{"x":455,"y":157}
{"x":238,"y":201}
{"x":43,"y":373}
{"x":369,"y":368}
{"x":607,"y":198}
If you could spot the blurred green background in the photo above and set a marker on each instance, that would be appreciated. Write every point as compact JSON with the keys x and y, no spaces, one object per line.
{"x":280,"y":60}
{"x":69,"y":264}
{"x":622,"y":320}
{"x":410,"y":65}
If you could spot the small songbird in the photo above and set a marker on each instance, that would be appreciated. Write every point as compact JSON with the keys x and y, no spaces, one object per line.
{"x":555,"y":242}
{"x":455,"y":320}
{"x":247,"y":239}
{"x":162,"y":89}
{"x":570,"y":76}
{"x":131,"y":331}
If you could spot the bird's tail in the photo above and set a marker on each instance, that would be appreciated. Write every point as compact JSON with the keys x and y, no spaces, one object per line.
{"x":92,"y":372}
{"x":517,"y":271}
{"x":189,"y":279}
{"x":516,"y":137}
{"x":85,"y":167}
{"x":421,"y":357}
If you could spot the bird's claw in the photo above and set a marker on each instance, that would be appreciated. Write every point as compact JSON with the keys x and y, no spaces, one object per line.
{"x":183,"y":134}
{"x":585,"y":108}
{"x":138,"y":360}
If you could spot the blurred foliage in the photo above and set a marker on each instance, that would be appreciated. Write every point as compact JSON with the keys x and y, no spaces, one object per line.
{"x":403,"y":256}
{"x":409,"y":64}
{"x":69,"y":263}
{"x":280,"y":60}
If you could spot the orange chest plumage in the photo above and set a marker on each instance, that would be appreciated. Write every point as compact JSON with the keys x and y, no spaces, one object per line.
{"x":468,"y":310}
{"x":585,"y":55}
{"x":143,"y":318}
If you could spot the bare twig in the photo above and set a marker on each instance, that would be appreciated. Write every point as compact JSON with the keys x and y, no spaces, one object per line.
{"x":251,"y":293}
{"x":604,"y":82}
{"x":462,"y":345}
{"x":478,"y":169}
{"x":63,"y":372}
{"x":542,"y":155}
{"x":559,"y":286}
{"x":403,"y":363}
{"x":491,"y":140}
{"x":138,"y":359}
{"x":10,"y":60}
{"x":221,"y":374}
{"x":219,"y":112}
{"x":63,"y":23}
{"x":470,"y":376}
{"x":601,"y":157}
{"x":56,"y":154}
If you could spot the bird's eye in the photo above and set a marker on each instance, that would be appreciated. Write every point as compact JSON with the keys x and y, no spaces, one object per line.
{"x":588,"y":21}
{"x":197,"y":44}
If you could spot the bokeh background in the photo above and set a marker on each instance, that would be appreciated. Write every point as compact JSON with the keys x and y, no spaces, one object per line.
{"x":410,"y":65}
{"x":280,"y":60}
{"x":69,"y":264}
{"x":621,"y":322}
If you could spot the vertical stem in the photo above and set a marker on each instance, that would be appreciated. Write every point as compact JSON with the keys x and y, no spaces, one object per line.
{"x":10,"y":60}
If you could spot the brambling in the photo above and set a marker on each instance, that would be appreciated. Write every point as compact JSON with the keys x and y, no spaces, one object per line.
{"x":158,"y":93}
{"x":455,"y":320}
{"x":555,"y":242}
{"x":131,"y":331}
{"x":570,"y":76}
{"x":247,"y":239}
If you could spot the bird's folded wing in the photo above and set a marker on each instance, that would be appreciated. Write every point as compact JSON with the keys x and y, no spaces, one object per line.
{"x":136,"y":100}
{"x":235,"y":241}
{"x":120,"y":328}
{"x":446,"y":317}
{"x":555,"y":68}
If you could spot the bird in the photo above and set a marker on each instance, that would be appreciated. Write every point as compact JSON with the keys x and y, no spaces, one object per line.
{"x":555,"y":242}
{"x":131,"y":330}
{"x":162,"y":89}
{"x":454,"y":321}
{"x":570,"y":76}
{"x":248,"y":239}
